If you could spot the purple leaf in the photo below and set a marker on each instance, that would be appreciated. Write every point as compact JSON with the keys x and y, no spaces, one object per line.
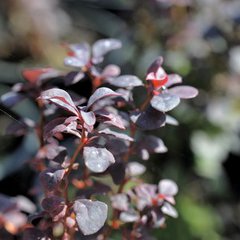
{"x":151,"y":144}
{"x":90,"y":215}
{"x":88,"y":117}
{"x":54,"y":205}
{"x":81,"y":55}
{"x":129,"y":216}
{"x":73,"y":77}
{"x":100,"y":93}
{"x":10,"y":99}
{"x":97,"y":159}
{"x":55,"y":153}
{"x":24,"y":204}
{"x":103,"y":46}
{"x":110,"y":118}
{"x":145,"y":193}
{"x":116,"y":134}
{"x":173,"y":79}
{"x":184,"y":92}
{"x":111,"y":70}
{"x":155,"y":65}
{"x":134,"y":169}
{"x":171,"y":120}
{"x":165,"y":102}
{"x":167,"y":187}
{"x":51,"y":178}
{"x":169,"y":210}
{"x":117,"y":172}
{"x":148,"y":120}
{"x":125,"y":81}
{"x":60,"y":98}
{"x":120,"y":202}
{"x":6,"y":203}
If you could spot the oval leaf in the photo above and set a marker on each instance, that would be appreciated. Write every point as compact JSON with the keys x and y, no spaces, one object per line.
{"x":60,"y":98}
{"x":88,"y":117}
{"x":184,"y":92}
{"x":116,"y":134}
{"x":97,"y":159}
{"x":90,"y":215}
{"x":111,"y":70}
{"x":169,"y":210}
{"x":155,"y":65}
{"x":165,"y":102}
{"x":167,"y":187}
{"x":173,"y":79}
{"x":125,"y":81}
{"x":149,"y":119}
{"x":103,"y":46}
{"x":101,"y":93}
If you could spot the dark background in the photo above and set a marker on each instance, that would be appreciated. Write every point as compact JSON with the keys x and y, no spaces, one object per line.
{"x":199,"y":40}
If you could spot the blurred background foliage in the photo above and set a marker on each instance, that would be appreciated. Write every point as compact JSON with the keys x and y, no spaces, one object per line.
{"x":199,"y":39}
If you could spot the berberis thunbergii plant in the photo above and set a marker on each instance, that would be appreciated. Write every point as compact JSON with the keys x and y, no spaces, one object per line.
{"x":85,"y":193}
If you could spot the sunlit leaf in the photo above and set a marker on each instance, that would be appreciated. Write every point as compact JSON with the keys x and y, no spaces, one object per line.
{"x":100,"y":93}
{"x":184,"y":92}
{"x":90,"y":215}
{"x":165,"y":102}
{"x":125,"y":81}
{"x":97,"y":159}
{"x":60,"y":98}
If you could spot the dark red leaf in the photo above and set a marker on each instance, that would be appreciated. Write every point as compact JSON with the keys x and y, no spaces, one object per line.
{"x":100,"y":93}
{"x":148,"y":120}
{"x":60,"y":98}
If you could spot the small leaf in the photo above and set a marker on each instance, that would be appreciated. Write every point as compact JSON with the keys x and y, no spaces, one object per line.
{"x":152,"y":144}
{"x":125,"y":81}
{"x":120,"y":202}
{"x":169,"y":210}
{"x":10,"y":99}
{"x":129,"y":216}
{"x":34,"y":75}
{"x":155,"y":65}
{"x":60,"y":98}
{"x":117,"y":172}
{"x":90,"y":215}
{"x":100,"y":93}
{"x":148,"y":120}
{"x":134,"y":169}
{"x":6,"y":203}
{"x":173,"y":79}
{"x":97,"y":159}
{"x":88,"y":117}
{"x":165,"y":102}
{"x":111,"y":70}
{"x":116,"y":134}
{"x":184,"y":92}
{"x":110,"y":118}
{"x":103,"y":46}
{"x":54,"y":204}
{"x":73,"y":77}
{"x":171,"y":120}
{"x":81,"y":55}
{"x":51,"y":178}
{"x":167,"y":187}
